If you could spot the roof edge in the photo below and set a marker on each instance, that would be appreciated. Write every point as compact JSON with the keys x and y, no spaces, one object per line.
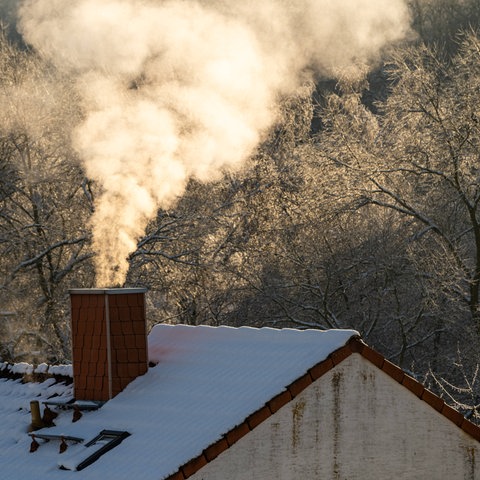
{"x":354,"y":345}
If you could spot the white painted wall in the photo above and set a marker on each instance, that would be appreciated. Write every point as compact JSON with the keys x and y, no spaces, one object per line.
{"x":354,"y":423}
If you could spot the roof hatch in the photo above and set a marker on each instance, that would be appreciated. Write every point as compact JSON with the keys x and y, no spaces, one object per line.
{"x":94,"y":449}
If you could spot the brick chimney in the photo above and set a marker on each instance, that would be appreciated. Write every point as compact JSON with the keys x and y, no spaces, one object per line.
{"x":109,"y":341}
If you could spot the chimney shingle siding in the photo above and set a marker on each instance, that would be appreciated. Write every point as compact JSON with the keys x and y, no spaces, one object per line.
{"x":109,"y":342}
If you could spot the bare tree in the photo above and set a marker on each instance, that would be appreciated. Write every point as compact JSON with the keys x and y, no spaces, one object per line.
{"x":439,"y":21}
{"x":419,"y":159}
{"x":43,"y":207}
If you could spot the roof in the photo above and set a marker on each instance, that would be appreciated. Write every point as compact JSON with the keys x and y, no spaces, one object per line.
{"x":207,"y":381}
{"x":210,"y":387}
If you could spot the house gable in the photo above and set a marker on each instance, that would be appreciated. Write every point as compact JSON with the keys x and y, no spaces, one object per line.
{"x":354,"y":422}
{"x":376,"y":360}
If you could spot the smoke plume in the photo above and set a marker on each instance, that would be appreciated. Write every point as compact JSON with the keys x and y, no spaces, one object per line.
{"x":183,"y":88}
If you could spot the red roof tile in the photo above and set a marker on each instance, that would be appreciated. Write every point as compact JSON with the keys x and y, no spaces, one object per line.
{"x":470,"y":428}
{"x":415,"y":387}
{"x":321,"y":368}
{"x":194,"y":465}
{"x":373,"y":356}
{"x":455,"y":416}
{"x":395,"y":372}
{"x":237,"y":433}
{"x":341,"y":354}
{"x":300,"y":384}
{"x":277,"y":402}
{"x":213,"y":451}
{"x":256,"y":418}
{"x":433,"y":400}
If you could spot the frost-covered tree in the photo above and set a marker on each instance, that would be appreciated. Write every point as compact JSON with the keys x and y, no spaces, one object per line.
{"x":44,"y":204}
{"x":438,"y":22}
{"x":419,"y":159}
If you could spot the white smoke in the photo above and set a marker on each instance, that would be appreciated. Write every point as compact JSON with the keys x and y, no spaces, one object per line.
{"x":175,"y":89}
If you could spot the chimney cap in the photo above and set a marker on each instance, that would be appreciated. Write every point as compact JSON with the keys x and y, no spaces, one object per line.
{"x":106,"y":291}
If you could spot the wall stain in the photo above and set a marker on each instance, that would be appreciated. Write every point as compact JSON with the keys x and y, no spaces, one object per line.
{"x":297,"y":417}
{"x":336,"y":383}
{"x":470,"y":463}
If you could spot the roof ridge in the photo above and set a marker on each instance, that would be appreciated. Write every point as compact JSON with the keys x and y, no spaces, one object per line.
{"x":354,"y":345}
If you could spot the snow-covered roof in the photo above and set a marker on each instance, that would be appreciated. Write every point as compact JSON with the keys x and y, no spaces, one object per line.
{"x":207,"y":381}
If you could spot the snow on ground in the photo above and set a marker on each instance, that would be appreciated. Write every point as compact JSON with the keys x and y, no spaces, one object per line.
{"x":207,"y":380}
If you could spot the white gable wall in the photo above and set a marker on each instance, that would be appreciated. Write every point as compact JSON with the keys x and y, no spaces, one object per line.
{"x":354,"y":423}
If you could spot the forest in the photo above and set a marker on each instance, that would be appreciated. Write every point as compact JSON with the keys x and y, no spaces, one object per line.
{"x":359,"y":209}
